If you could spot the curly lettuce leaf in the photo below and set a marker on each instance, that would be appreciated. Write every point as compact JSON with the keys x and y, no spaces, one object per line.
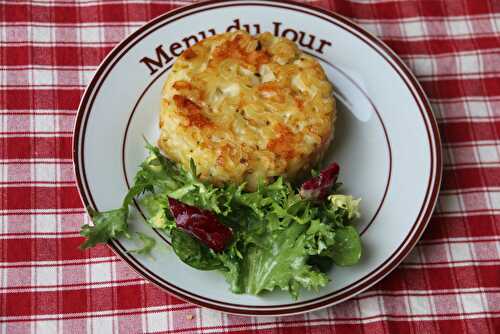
{"x":346,"y":203}
{"x":156,"y":206}
{"x":279,"y":260}
{"x":156,"y":175}
{"x":319,"y":237}
{"x":148,"y":244}
{"x":112,"y":224}
{"x":106,"y":225}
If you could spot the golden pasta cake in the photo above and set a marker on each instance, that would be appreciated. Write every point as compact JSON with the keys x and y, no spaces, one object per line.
{"x":246,"y":108}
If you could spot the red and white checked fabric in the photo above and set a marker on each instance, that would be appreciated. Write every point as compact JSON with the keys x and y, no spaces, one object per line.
{"x":48,"y":53}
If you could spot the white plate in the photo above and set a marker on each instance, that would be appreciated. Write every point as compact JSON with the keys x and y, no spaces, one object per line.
{"x":387,"y":142}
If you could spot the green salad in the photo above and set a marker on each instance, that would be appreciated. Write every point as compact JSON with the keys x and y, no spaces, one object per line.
{"x":278,"y":237}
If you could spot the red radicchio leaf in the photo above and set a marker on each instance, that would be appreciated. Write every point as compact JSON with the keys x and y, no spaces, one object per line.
{"x":202,"y":224}
{"x":318,"y":187}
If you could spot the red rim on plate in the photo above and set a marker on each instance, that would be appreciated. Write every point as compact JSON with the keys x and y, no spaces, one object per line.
{"x":284,"y":309}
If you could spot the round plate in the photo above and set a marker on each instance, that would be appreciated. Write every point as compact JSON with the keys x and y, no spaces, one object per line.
{"x":387,"y":142}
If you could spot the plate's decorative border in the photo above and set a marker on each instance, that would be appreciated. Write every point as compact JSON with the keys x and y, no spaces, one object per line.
{"x":285,"y":309}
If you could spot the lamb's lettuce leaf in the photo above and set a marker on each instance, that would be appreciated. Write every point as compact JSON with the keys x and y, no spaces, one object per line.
{"x":347,"y":249}
{"x":193,"y":252}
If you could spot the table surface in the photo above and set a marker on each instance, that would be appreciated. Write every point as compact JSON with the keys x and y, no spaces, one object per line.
{"x":48,"y":53}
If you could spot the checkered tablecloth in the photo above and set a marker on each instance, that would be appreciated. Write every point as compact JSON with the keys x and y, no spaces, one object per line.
{"x":49,"y":50}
